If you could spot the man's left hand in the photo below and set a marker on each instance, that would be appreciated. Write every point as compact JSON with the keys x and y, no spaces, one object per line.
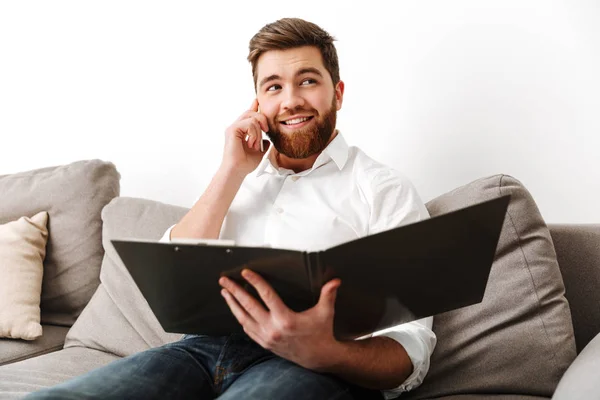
{"x":305,"y":338}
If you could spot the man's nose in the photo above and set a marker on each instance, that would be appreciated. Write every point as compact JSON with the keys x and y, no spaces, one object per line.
{"x":292,"y":100}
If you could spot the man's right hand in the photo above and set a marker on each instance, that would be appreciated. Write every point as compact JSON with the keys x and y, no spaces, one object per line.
{"x":240,"y":155}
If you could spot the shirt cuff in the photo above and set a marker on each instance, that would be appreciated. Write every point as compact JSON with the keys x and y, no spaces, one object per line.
{"x":167,"y":236}
{"x":419,"y":341}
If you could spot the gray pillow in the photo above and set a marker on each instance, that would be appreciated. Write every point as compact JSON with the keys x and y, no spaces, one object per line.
{"x":582,"y":379}
{"x":73,"y":195}
{"x":118,"y":319}
{"x":519,"y":340}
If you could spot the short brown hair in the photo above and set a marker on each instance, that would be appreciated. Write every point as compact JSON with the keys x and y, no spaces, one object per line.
{"x":288,"y":33}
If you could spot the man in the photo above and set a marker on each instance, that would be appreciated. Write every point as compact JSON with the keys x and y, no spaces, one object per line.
{"x":309,"y":191}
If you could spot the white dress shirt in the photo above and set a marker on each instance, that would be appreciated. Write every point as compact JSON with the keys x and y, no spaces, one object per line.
{"x":344,"y":196}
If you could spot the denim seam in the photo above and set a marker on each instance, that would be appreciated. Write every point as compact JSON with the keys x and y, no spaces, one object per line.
{"x":220,"y":371}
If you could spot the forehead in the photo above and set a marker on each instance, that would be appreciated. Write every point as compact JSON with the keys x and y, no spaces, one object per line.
{"x":287,"y":62}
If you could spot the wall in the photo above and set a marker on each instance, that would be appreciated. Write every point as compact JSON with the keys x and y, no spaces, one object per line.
{"x":446,"y":92}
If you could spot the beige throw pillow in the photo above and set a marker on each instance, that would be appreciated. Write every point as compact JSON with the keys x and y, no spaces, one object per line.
{"x":22,"y":252}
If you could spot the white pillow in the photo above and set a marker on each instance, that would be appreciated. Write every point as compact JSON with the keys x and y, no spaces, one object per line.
{"x":22,"y":252}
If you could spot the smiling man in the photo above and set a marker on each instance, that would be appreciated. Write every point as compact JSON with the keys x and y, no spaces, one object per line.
{"x":309,"y":191}
{"x":299,"y":125}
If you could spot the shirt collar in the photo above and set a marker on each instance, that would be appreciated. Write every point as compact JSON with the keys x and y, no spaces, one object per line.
{"x":336,"y":151}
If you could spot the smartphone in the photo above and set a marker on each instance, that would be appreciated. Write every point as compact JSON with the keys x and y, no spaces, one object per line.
{"x":262,"y":146}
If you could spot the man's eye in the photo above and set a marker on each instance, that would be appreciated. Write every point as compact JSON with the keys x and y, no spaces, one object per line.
{"x":308,"y":82}
{"x":272,"y":88}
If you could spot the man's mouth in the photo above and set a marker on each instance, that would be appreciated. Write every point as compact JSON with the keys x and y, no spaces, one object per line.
{"x":296,"y":121}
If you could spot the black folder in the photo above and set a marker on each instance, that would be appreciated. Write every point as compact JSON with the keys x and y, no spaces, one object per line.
{"x":392,"y":277}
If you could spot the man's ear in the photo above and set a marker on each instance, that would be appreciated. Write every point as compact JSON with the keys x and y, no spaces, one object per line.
{"x":339,"y":95}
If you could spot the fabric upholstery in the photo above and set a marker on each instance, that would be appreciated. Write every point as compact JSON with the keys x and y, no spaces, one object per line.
{"x":519,"y":339}
{"x":582,"y":379}
{"x":578,"y":252}
{"x":73,"y":195}
{"x":491,"y":397}
{"x":22,"y":252}
{"x":53,"y":339}
{"x":18,"y":379}
{"x":118,"y":319}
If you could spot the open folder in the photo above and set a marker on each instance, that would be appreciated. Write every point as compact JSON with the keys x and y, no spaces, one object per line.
{"x":392,"y":277}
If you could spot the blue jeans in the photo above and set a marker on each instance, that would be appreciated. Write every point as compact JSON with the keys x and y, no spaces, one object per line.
{"x":205,"y":367}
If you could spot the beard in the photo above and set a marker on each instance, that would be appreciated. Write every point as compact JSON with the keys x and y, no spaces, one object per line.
{"x":304,"y":142}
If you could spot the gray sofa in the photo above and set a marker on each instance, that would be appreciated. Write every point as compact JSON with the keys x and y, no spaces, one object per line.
{"x":534,"y":336}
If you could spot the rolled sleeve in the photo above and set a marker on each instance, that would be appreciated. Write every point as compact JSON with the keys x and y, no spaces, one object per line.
{"x":419,"y":341}
{"x":167,"y":235}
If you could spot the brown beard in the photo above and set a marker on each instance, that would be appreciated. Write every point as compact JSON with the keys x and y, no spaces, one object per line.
{"x":305,"y":142}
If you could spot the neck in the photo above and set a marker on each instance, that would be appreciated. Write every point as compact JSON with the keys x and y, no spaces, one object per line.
{"x":300,"y":164}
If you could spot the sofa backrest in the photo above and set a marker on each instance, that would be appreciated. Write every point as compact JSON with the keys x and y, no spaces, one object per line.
{"x":578,"y":252}
{"x":518,"y":340}
{"x":73,"y":195}
{"x":118,"y":319}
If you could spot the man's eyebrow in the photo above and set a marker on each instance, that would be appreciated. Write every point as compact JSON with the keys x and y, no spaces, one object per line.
{"x":268,"y":79}
{"x":308,"y":70}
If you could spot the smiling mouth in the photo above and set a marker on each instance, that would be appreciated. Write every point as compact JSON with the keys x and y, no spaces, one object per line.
{"x":296,"y":121}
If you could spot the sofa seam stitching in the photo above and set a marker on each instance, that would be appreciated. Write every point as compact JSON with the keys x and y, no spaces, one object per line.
{"x":535,"y":288}
{"x":35,"y":354}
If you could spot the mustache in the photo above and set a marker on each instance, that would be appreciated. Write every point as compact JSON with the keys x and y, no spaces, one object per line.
{"x":294,"y":113}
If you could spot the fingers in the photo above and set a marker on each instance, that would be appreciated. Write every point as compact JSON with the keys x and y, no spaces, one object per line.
{"x":254,"y":135}
{"x":266,"y":292}
{"x":253,"y":109}
{"x":329,"y":294}
{"x":249,"y":131}
{"x":254,"y":113}
{"x":238,"y":311}
{"x":262,"y":120}
{"x":244,"y":304}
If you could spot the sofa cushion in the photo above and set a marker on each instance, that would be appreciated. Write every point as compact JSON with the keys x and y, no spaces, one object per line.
{"x":20,"y":378}
{"x":118,"y":319}
{"x":519,"y":339}
{"x":22,"y":252}
{"x":491,"y":397}
{"x":53,"y":339}
{"x":578,"y":252}
{"x":582,"y":379}
{"x":74,"y":196}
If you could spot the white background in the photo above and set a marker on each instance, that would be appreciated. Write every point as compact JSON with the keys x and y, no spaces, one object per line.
{"x":445,"y":91}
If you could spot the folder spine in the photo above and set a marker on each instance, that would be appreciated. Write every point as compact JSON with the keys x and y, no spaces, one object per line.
{"x":314,"y":275}
{"x":309,"y":272}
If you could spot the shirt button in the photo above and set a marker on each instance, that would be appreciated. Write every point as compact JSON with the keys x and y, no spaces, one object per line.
{"x":295,"y":178}
{"x":279,"y":210}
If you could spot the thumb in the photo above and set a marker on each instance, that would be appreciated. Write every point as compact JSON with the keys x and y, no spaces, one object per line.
{"x":329,"y":293}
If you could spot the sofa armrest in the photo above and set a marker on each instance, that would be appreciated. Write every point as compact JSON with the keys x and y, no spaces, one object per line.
{"x":582,"y":379}
{"x":578,"y":251}
{"x":13,"y":350}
